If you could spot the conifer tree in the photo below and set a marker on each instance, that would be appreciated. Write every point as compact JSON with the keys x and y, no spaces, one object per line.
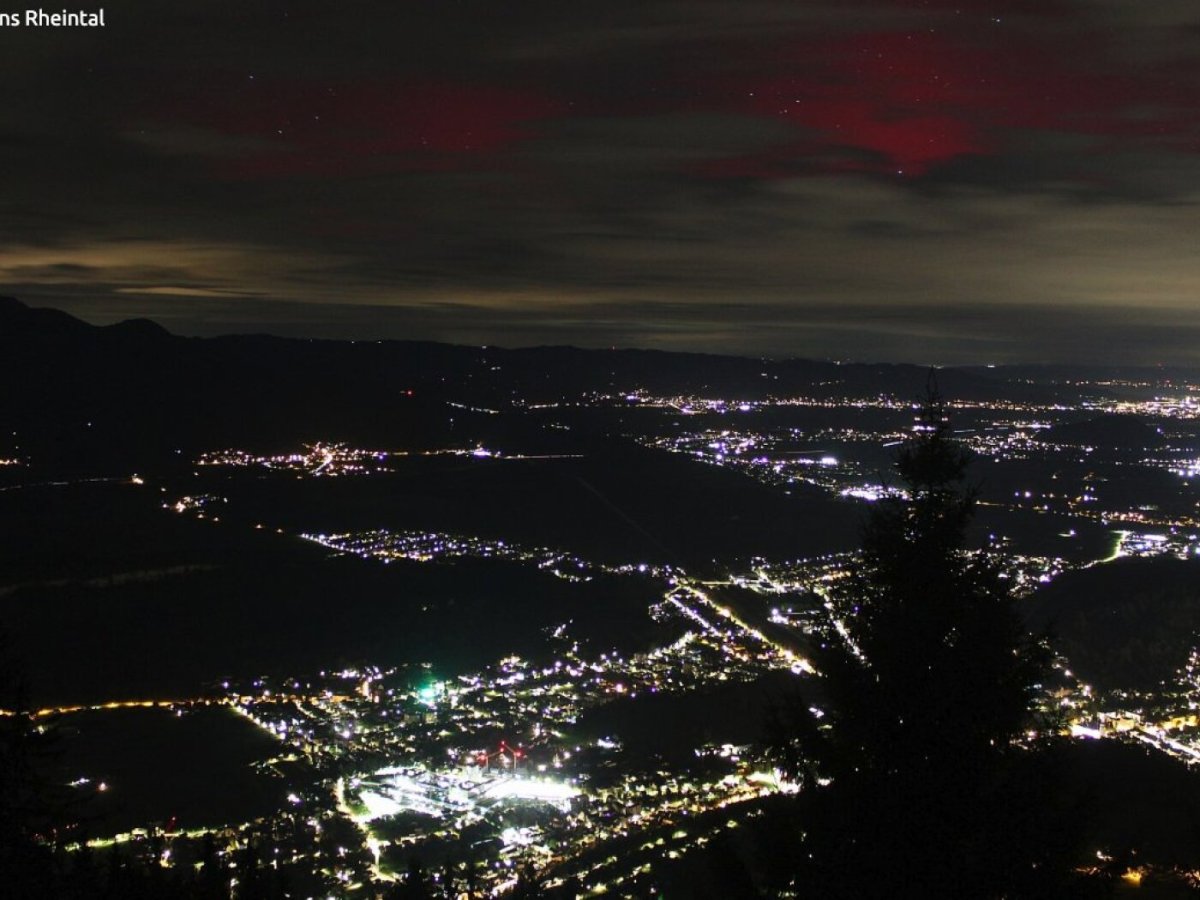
{"x":922,"y":753}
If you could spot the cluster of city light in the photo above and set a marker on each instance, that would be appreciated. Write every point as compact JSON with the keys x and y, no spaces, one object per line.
{"x":379,"y":712}
{"x":1186,"y":406}
{"x":447,"y":765}
{"x":197,"y":503}
{"x":431,"y":546}
{"x":873,"y":492}
{"x":314,"y":459}
{"x":765,"y":457}
{"x":1189,"y":468}
{"x":332,"y":459}
{"x":1183,"y":545}
{"x":425,"y":546}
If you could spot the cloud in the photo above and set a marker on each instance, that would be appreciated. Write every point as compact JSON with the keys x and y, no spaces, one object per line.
{"x":908,"y":178}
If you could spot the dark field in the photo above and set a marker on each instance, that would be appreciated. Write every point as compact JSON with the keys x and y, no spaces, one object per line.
{"x":302,"y":612}
{"x":194,"y":768}
{"x":669,"y":728}
{"x":621,"y":506}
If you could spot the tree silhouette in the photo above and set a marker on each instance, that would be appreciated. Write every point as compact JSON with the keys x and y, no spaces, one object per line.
{"x":415,"y":885}
{"x":40,"y":822}
{"x":32,"y":807}
{"x":211,"y":880}
{"x":922,"y":755}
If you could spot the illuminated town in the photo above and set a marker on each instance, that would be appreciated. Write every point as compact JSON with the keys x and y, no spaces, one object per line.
{"x":521,"y":772}
{"x":544,"y":451}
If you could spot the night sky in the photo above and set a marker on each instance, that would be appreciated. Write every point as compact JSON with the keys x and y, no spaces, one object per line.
{"x":934,"y":181}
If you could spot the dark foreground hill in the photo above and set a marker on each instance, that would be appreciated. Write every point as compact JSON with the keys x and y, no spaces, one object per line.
{"x":1128,"y":624}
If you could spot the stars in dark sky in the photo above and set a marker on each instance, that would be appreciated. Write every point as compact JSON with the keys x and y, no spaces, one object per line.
{"x":935,"y":181}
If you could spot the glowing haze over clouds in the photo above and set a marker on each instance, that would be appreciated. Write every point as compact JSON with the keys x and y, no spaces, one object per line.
{"x":882,"y":179}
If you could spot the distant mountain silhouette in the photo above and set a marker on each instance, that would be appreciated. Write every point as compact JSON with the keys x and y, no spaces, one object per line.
{"x":138,"y":328}
{"x":19,"y":320}
{"x":104,"y":397}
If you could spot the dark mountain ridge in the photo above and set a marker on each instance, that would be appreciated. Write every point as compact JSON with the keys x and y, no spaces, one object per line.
{"x":133,"y":391}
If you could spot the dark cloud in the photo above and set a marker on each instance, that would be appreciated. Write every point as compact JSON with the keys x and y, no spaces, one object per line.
{"x":875,"y":178}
